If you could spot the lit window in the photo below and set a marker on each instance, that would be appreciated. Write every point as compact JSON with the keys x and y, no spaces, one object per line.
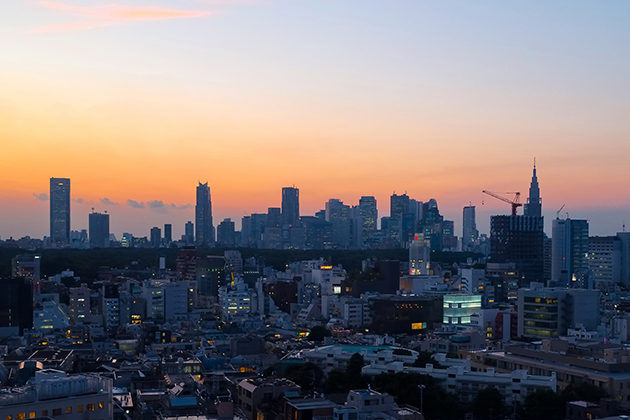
{"x":80,"y":409}
{"x":90,"y":407}
{"x":21,"y":416}
{"x":68,"y":410}
{"x":100,"y":405}
{"x":31,"y":415}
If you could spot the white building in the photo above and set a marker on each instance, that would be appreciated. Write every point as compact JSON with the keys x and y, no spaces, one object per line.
{"x":54,"y":394}
{"x":49,"y":316}
{"x":337,"y":356}
{"x":466,"y":384}
{"x":235,"y":300}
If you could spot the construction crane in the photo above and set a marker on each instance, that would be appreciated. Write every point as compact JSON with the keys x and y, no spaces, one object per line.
{"x":558,"y":212}
{"x":514,"y":203}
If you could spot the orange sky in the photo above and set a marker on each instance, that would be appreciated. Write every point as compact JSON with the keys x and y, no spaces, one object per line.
{"x":142,"y":111}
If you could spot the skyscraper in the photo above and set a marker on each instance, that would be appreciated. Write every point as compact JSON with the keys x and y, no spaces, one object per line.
{"x":399,"y":206}
{"x":156,"y":237}
{"x":98,"y":224}
{"x":534,"y":202}
{"x":204,"y":230}
{"x":189,"y":233}
{"x":168,"y":233}
{"x":519,"y":240}
{"x":338,"y":214}
{"x":290,"y":206}
{"x":368,"y":213}
{"x":470,"y":234}
{"x":60,"y":211}
{"x":569,"y":253}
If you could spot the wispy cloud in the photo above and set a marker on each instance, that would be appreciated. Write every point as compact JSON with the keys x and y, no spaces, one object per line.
{"x":112,"y":14}
{"x":41,"y":197}
{"x":182,"y":207}
{"x":108,"y":202}
{"x":135,"y":204}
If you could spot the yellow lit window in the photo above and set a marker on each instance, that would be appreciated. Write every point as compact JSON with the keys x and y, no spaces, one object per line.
{"x":100,"y":405}
{"x":90,"y":407}
{"x":32,"y":415}
{"x":8,"y":418}
{"x":80,"y":409}
{"x":21,"y":416}
{"x":68,"y":410}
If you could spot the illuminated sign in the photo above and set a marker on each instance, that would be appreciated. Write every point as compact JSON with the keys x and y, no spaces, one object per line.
{"x":418,"y":325}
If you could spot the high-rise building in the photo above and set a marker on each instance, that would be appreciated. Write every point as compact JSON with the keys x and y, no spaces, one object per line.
{"x":156,"y":237}
{"x":604,"y":261}
{"x":290,"y":206}
{"x":470,"y":234}
{"x":534,"y":202}
{"x":189,"y":233}
{"x":225,"y":234}
{"x":368,"y":215}
{"x":399,"y":205}
{"x":168,"y":233}
{"x":569,"y":253}
{"x":338,"y":214}
{"x":203,"y":216}
{"x":419,"y":256}
{"x":60,"y":211}
{"x":519,"y":240}
{"x":98,"y":224}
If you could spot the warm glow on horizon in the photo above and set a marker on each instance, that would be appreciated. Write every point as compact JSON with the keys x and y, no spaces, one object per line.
{"x":341,"y":99}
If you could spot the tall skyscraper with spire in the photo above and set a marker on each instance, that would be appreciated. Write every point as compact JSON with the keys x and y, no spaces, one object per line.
{"x":534,"y":202}
{"x":204,"y":230}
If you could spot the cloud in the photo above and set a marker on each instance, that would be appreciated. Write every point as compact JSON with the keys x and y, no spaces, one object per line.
{"x":135,"y":204}
{"x":182,"y":207}
{"x":156,"y":204}
{"x":108,"y":202}
{"x":41,"y":197}
{"x":112,"y":15}
{"x":79,"y":200}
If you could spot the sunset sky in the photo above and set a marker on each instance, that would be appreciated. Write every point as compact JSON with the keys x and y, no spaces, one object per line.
{"x":137,"y":100}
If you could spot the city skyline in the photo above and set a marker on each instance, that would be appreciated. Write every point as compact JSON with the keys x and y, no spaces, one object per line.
{"x":170,"y":213}
{"x":343,"y":99}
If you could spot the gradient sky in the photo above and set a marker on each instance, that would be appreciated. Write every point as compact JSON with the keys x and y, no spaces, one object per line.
{"x":140,"y":99}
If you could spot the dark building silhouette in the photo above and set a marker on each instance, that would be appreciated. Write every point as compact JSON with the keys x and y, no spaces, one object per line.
{"x":290,"y":206}
{"x":189,"y":233}
{"x":225,"y":234}
{"x":519,"y":240}
{"x":168,"y":233}
{"x":60,"y":211}
{"x":16,"y":306}
{"x":99,"y":230}
{"x":392,"y":314}
{"x":156,"y":237}
{"x":204,"y":235}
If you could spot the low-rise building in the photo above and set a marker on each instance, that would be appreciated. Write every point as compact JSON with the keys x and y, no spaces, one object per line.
{"x":460,"y":379}
{"x":337,"y":356}
{"x":55,"y":394}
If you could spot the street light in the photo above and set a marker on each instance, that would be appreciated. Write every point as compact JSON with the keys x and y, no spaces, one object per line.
{"x":421,"y":398}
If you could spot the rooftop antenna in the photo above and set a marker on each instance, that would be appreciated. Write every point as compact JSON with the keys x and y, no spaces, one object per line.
{"x":534,"y":163}
{"x":624,"y":226}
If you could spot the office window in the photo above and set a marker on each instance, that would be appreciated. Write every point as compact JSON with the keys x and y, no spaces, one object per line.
{"x":80,"y":409}
{"x":90,"y":407}
{"x":56,"y":411}
{"x":100,"y":405}
{"x":31,"y":415}
{"x":8,"y":418}
{"x":44,"y":413}
{"x":21,"y":416}
{"x":68,"y":410}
